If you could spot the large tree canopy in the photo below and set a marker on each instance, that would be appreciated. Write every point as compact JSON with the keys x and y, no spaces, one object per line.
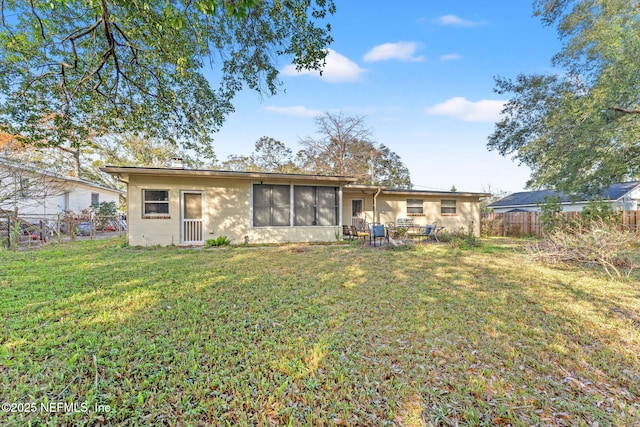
{"x":343,"y":146}
{"x":579,"y":129}
{"x":72,"y":69}
{"x":269,"y":155}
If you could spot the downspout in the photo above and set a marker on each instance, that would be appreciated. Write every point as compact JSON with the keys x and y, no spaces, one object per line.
{"x":375,"y":196}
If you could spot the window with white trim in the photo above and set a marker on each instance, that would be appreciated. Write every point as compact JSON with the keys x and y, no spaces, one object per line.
{"x":155,"y":202}
{"x":415,"y":206}
{"x":448,"y":207}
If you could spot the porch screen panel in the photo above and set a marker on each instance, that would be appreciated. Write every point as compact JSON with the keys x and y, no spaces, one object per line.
{"x":305,"y":205}
{"x":261,"y":205}
{"x":281,"y":205}
{"x":327,"y":205}
{"x":271,"y":205}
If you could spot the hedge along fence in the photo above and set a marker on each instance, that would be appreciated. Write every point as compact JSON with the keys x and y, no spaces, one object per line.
{"x":529,"y":224}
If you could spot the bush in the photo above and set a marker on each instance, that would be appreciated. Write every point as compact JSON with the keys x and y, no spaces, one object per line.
{"x":445,"y":237}
{"x":218,"y":241}
{"x":551,"y":217}
{"x":464,"y":238}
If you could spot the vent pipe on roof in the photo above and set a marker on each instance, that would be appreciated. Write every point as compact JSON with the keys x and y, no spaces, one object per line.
{"x":176,"y":163}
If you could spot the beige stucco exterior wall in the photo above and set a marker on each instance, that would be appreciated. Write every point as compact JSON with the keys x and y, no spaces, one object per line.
{"x":227,"y":211}
{"x":390,"y":207}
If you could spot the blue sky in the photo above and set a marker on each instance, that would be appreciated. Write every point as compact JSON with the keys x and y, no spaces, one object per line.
{"x":422,"y":72}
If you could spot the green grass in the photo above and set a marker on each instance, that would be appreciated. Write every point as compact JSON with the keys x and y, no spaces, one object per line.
{"x":315,"y":335}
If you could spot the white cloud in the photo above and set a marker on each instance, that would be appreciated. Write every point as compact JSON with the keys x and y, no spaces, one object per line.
{"x":456,"y":21}
{"x":338,"y":69}
{"x":403,"y":51}
{"x":450,"y":57}
{"x":486,"y":110}
{"x":296,"y":110}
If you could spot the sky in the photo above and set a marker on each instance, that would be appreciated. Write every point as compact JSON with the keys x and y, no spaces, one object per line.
{"x":422,"y":74}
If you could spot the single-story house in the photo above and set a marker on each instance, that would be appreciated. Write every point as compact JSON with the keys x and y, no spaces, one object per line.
{"x":177,"y":206}
{"x":41,"y":194}
{"x":621,"y":196}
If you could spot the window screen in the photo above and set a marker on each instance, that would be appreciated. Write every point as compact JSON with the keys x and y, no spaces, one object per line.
{"x":271,"y":205}
{"x":448,"y":207}
{"x":316,"y":206}
{"x":156,"y":202}
{"x":414,"y":206}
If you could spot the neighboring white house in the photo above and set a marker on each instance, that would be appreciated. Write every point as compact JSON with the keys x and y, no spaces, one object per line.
{"x":35,"y":193}
{"x":621,"y":196}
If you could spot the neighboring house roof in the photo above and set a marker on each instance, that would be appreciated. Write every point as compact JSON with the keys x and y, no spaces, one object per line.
{"x":532,"y":198}
{"x":11,"y":164}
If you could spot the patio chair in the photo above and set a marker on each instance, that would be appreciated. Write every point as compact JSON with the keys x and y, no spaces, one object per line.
{"x":358,"y":233}
{"x":378,"y":231}
{"x":431,"y":231}
{"x":346,"y":232}
{"x":405,"y":223}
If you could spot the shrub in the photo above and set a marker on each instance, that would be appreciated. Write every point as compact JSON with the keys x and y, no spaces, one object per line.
{"x":551,"y":216}
{"x":218,"y":241}
{"x":600,"y":210}
{"x":464,"y":238}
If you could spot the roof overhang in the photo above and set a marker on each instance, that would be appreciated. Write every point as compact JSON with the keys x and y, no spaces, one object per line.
{"x":372,"y":189}
{"x":434,"y":193}
{"x":124,"y":172}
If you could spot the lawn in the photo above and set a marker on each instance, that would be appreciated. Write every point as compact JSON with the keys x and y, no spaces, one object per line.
{"x":98,"y":333}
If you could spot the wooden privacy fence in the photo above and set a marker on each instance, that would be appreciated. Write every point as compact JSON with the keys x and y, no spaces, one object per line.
{"x":528,"y":223}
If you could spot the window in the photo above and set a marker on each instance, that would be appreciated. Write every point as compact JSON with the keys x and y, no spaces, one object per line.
{"x":271,"y":205}
{"x":448,"y":207}
{"x":414,"y":206}
{"x":156,"y":202}
{"x":95,"y":200}
{"x":357,"y":208}
{"x":316,"y":206}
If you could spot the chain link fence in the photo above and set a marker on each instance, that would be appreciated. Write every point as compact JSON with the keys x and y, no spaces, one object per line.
{"x":25,"y":231}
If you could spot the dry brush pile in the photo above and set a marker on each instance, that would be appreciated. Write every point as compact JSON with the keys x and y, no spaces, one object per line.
{"x":595,"y":242}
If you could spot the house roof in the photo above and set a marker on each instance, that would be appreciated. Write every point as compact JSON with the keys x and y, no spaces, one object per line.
{"x":123,"y":172}
{"x":533,"y":198}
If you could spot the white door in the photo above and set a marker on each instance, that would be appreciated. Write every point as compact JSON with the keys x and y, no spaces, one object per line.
{"x":192,"y":218}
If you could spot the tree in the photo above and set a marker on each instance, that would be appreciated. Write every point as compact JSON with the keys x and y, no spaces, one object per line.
{"x":132,"y":150}
{"x":389,"y":170}
{"x":269,"y":155}
{"x":494,"y":196}
{"x":344,"y":147}
{"x":25,"y":183}
{"x":578,"y":130}
{"x":70,"y":69}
